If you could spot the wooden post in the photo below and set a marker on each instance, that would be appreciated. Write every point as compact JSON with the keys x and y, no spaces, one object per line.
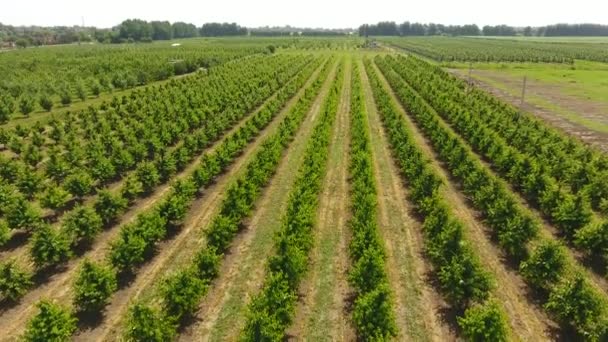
{"x":523,"y":93}
{"x":469,"y":83}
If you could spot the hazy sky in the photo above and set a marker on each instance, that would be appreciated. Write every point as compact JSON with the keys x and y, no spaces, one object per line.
{"x":308,"y":13}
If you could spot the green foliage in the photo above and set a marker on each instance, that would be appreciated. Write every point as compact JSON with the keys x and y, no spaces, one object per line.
{"x":79,"y":183}
{"x":110,"y":206}
{"x":545,"y":265}
{"x":26,"y":104}
{"x":45,"y":102}
{"x":594,"y":238}
{"x":373,"y":314}
{"x":82,"y":224}
{"x":7,"y":106}
{"x":55,"y":197}
{"x":53,"y":323}
{"x":372,"y":310}
{"x":132,"y":188}
{"x":484,"y":322}
{"x":93,"y":287}
{"x":14,"y":282}
{"x":181,"y":293}
{"x":137,"y":241}
{"x":145,"y":323}
{"x":49,"y":247}
{"x":574,"y":302}
{"x":65,"y":96}
{"x":148,"y":175}
{"x":20,"y":214}
{"x":5,"y":232}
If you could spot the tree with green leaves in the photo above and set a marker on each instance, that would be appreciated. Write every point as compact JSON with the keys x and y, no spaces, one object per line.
{"x":45,"y":102}
{"x":181,"y":293}
{"x":484,"y":322}
{"x":53,"y":323}
{"x":82,"y":224}
{"x":49,"y":247}
{"x":7,"y":107}
{"x":5,"y":232}
{"x":93,"y":287}
{"x":574,"y":302}
{"x":65,"y":95}
{"x":545,"y":265}
{"x":26,"y":104}
{"x":110,"y":206}
{"x":147,"y":174}
{"x":55,"y":197}
{"x":79,"y":183}
{"x":14,"y":281}
{"x":145,"y":323}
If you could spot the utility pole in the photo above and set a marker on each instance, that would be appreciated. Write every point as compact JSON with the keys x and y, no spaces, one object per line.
{"x":523,"y":93}
{"x":469,"y":83}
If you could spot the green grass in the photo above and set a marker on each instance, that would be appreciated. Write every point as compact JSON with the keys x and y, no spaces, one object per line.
{"x":543,"y":103}
{"x":585,"y":80}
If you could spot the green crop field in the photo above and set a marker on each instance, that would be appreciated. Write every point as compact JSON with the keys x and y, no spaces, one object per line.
{"x":302,"y":188}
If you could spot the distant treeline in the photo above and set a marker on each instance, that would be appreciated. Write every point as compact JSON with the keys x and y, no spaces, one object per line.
{"x":390,"y":28}
{"x":137,"y":30}
{"x":131,"y":30}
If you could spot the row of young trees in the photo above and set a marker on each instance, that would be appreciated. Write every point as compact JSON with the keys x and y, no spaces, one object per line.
{"x":50,"y":247}
{"x":464,"y":282}
{"x":570,"y":297}
{"x":43,"y":79}
{"x":271,"y":311}
{"x":563,"y":178}
{"x":91,"y":160}
{"x":372,"y":311}
{"x":95,"y":283}
{"x":182,"y":291}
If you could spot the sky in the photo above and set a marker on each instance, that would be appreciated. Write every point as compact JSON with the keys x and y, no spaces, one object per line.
{"x":303,"y":13}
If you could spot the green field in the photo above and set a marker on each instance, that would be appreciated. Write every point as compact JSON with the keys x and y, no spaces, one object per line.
{"x":314,"y":189}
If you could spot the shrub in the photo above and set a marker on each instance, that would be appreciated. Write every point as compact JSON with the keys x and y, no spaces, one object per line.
{"x":82,"y":224}
{"x":545,"y":265}
{"x":484,"y":322}
{"x":45,"y":102}
{"x":109,"y":206}
{"x":93,"y":287}
{"x":574,"y":302}
{"x":181,"y":293}
{"x":52,"y":323}
{"x":14,"y":281}
{"x":49,"y":247}
{"x":79,"y":183}
{"x":146,"y":324}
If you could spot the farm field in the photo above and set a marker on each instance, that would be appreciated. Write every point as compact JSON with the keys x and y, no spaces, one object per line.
{"x":316,"y":191}
{"x":570,"y":97}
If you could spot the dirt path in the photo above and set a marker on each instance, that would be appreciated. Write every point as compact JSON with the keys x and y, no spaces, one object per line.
{"x":222,"y":313}
{"x":527,"y":319}
{"x":418,"y":305}
{"x":320,"y":313}
{"x":579,"y":121}
{"x":179,"y":250}
{"x":58,"y":285}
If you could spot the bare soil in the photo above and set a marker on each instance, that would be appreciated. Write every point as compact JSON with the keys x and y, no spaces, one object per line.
{"x":586,"y":109}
